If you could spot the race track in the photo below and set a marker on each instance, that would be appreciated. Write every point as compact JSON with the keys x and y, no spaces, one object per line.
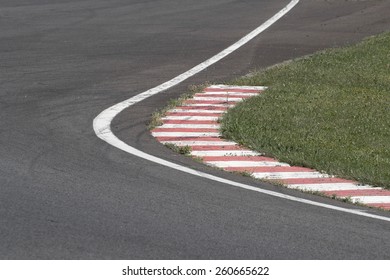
{"x":65,"y":194}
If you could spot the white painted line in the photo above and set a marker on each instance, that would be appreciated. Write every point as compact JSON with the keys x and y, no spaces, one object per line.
{"x":288,"y":175}
{"x":190,"y":118}
{"x":371,"y":199}
{"x":223,"y":164}
{"x":185,"y":134}
{"x":329,"y":187}
{"x":173,"y":125}
{"x":199,"y":143}
{"x":102,"y":123}
{"x":224,"y":153}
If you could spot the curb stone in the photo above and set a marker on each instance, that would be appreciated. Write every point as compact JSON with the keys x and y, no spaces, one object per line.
{"x":195,"y":124}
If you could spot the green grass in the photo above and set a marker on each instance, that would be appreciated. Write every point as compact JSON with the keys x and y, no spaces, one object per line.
{"x":184,"y":150}
{"x":329,"y":111}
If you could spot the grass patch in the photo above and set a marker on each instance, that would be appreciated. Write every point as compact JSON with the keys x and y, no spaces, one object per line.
{"x":243,"y":173}
{"x":184,"y":150}
{"x":329,"y":111}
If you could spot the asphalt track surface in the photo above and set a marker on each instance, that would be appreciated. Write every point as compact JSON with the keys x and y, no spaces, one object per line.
{"x":65,"y":194}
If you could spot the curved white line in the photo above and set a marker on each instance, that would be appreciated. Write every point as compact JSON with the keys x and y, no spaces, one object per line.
{"x":102,"y":123}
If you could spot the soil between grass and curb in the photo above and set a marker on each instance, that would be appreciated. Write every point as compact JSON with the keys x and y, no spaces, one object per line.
{"x":192,"y":126}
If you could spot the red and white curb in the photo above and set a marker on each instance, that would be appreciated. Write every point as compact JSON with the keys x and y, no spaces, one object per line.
{"x":195,"y":124}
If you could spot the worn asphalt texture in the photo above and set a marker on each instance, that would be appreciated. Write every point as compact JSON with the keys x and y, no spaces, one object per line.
{"x":65,"y":194}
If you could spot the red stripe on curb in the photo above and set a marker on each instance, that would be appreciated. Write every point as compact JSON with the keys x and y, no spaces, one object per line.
{"x":232,"y":90}
{"x":184,"y":138}
{"x":238,"y":158}
{"x":368,"y":192}
{"x":260,"y":169}
{"x":304,"y":181}
{"x":188,"y":122}
{"x":184,"y":130}
{"x":385,"y":206}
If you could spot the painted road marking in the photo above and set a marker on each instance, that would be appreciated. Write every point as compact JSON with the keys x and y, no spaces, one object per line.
{"x":285,"y":175}
{"x":226,"y":94}
{"x":209,"y":139}
{"x":224,"y":153}
{"x":223,"y":164}
{"x":236,"y":158}
{"x":371,"y":199}
{"x":197,"y":111}
{"x":230,"y":88}
{"x":213,"y":126}
{"x":196,"y":143}
{"x":328,"y":188}
{"x":305,"y":181}
{"x":281,"y":168}
{"x":185,"y":134}
{"x":221,"y":105}
{"x":189,"y":122}
{"x":224,"y":99}
{"x":190,"y":118}
{"x":184,"y":130}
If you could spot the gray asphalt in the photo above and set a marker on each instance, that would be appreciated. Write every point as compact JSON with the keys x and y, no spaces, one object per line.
{"x":65,"y":194}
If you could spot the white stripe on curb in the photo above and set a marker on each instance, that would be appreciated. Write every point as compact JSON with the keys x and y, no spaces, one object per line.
{"x":288,"y":175}
{"x":330,"y":187}
{"x":226,"y":93}
{"x":208,"y":105}
{"x":196,"y":111}
{"x":371,"y":199}
{"x":199,"y":143}
{"x":232,"y":163}
{"x":190,"y":118}
{"x":218,"y":98}
{"x":224,"y":87}
{"x":185,"y":134}
{"x":224,"y":153}
{"x":172,"y":125}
